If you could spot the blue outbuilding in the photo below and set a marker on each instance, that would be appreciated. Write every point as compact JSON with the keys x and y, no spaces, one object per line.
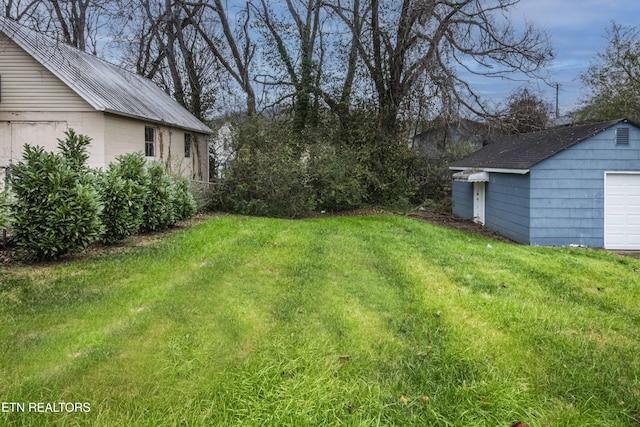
{"x":575,"y":185}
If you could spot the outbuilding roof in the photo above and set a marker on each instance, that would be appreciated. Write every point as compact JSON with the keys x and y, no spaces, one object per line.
{"x":525,"y":150}
{"x":106,"y":87}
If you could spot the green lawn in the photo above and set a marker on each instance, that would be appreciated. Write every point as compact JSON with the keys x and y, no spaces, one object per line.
{"x":373,"y":320}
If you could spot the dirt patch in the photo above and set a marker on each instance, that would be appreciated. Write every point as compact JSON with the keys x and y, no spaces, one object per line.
{"x":449,"y":221}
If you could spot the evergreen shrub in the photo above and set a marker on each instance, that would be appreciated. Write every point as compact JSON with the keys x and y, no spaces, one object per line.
{"x":184,"y":204}
{"x":337,"y":178}
{"x":159,"y":207}
{"x":57,"y":207}
{"x":123,"y":189}
{"x":6,"y":209}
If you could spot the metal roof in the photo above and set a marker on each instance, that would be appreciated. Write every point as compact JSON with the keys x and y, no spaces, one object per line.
{"x":106,"y":87}
{"x":525,"y":150}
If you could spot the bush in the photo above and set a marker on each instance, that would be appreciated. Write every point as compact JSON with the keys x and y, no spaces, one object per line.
{"x":389,"y":164}
{"x":123,"y":189}
{"x":6,"y":210}
{"x":269,"y":182}
{"x":74,"y":149}
{"x":334,"y":167}
{"x":268,"y":176}
{"x":122,"y":212}
{"x":432,"y":177}
{"x":133,"y":166}
{"x":337,"y":178}
{"x":141,"y":196}
{"x":62,"y":206}
{"x":159,"y":206}
{"x":184,"y":204}
{"x":56,"y":209}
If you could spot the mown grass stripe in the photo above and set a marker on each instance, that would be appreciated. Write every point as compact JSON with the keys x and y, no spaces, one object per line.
{"x":375,"y":320}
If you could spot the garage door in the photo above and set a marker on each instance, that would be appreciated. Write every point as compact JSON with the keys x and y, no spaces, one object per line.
{"x":622,"y":211}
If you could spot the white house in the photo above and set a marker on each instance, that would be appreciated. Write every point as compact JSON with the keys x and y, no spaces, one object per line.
{"x":47,"y":87}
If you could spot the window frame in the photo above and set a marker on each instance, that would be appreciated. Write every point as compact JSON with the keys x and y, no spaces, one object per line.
{"x":188,"y":138}
{"x":149,"y":141}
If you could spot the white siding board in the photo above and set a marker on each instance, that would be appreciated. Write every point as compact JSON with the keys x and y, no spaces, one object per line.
{"x":6,"y":146}
{"x":104,"y":86}
{"x":125,"y":135}
{"x":36,"y":107}
{"x":28,"y":86}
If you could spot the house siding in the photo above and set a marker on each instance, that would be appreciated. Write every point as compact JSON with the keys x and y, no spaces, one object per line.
{"x":126,"y":135}
{"x":44,"y":129}
{"x":507,"y":206}
{"x":462,"y":199}
{"x":567,"y":190}
{"x":26,"y":85}
{"x":36,"y":107}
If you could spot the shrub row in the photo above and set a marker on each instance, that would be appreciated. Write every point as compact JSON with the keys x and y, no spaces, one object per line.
{"x":60,"y":206}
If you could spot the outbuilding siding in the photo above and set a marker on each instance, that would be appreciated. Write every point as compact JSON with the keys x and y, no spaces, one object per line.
{"x":28,"y":86}
{"x":462,"y":199}
{"x":507,"y":206}
{"x":567,"y":190}
{"x":47,"y":87}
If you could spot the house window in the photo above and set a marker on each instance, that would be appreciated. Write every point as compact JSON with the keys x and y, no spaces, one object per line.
{"x":187,"y":145}
{"x":622,"y":136}
{"x":149,"y":141}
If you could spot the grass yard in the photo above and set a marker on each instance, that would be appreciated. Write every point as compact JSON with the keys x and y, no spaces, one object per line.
{"x":373,"y":320}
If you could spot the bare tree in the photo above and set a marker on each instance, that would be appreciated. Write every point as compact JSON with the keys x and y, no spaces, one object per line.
{"x":76,"y":22}
{"x":228,"y":41}
{"x":165,"y":29}
{"x":299,"y":53}
{"x":19,"y":9}
{"x":161,"y":43}
{"x":401,"y":42}
{"x":72,"y":20}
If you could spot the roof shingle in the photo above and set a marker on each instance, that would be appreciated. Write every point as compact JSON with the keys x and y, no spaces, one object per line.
{"x":525,"y":150}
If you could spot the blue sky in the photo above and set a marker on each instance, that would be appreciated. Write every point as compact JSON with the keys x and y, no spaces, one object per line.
{"x":577,"y":29}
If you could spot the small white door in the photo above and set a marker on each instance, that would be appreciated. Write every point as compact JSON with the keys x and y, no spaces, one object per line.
{"x":478,"y":202}
{"x":622,"y":211}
